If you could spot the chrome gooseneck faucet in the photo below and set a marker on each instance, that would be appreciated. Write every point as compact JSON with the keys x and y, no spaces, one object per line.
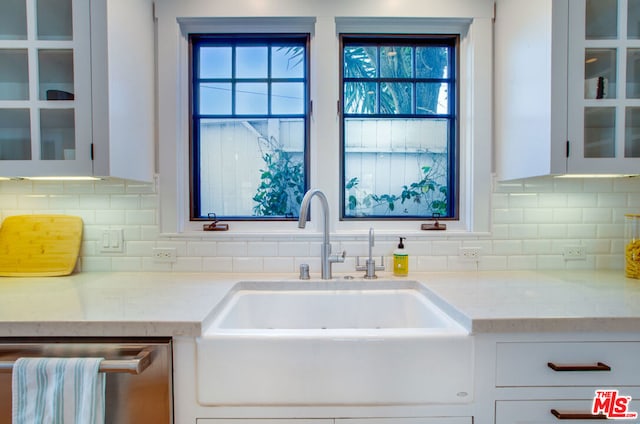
{"x":326,"y":256}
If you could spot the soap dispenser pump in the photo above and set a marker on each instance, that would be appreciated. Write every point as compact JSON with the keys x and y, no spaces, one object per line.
{"x":400,"y":260}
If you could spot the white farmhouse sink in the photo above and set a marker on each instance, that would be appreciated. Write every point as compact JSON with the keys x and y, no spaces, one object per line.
{"x":332,"y":343}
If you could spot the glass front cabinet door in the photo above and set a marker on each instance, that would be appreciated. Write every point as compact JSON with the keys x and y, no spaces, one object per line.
{"x":604,"y":87}
{"x":45,"y":88}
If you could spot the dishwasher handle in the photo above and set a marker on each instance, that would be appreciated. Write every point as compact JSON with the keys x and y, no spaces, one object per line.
{"x":134,"y":365}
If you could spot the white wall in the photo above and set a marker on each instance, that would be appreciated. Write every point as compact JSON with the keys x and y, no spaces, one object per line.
{"x":532,"y":220}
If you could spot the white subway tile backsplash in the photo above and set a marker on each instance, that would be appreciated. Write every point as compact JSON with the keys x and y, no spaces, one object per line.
{"x":507,"y":247}
{"x":125,"y":201}
{"x":33,"y":201}
{"x":612,"y":200}
{"x":188,"y":264}
{"x":122,"y":264}
{"x":94,"y":202}
{"x":8,"y":201}
{"x":596,"y":215}
{"x":262,"y":248}
{"x":279,"y":264}
{"x":552,"y":231}
{"x":508,"y":216}
{"x":65,"y":201}
{"x":532,"y":221}
{"x":581,"y":231}
{"x":140,"y":217}
{"x":246,"y":264}
{"x":217,"y":264}
{"x":536,"y":247}
{"x":553,"y":200}
{"x":110,"y":217}
{"x":202,"y":248}
{"x":567,"y":215}
{"x":48,"y":187}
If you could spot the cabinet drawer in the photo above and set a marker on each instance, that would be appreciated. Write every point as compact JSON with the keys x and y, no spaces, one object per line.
{"x":526,"y":364}
{"x":539,"y":411}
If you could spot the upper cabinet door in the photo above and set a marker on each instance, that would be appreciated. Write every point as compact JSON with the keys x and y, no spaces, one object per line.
{"x":45,"y":88}
{"x":604,"y":86}
{"x":567,"y":87}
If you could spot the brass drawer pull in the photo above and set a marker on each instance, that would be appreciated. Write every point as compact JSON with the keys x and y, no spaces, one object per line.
{"x":600,"y":366}
{"x":560,"y":415}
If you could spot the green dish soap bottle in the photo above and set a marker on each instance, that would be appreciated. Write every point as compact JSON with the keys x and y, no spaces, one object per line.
{"x":400,"y":260}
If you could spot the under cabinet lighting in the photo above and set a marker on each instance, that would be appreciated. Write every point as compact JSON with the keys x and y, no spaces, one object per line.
{"x":596,"y":176}
{"x":62,"y":178}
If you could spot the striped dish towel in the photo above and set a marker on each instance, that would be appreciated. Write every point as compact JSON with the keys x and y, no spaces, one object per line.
{"x":58,"y":391}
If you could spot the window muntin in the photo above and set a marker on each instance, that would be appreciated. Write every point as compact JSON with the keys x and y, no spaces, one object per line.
{"x":399,"y":127}
{"x":249,"y":133}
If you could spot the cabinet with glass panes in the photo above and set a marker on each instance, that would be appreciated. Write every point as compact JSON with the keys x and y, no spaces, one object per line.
{"x":604,"y":86}
{"x":567,"y":87}
{"x":76,"y":94}
{"x":45,"y":92}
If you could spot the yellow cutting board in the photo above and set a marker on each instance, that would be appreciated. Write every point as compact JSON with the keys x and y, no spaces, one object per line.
{"x":39,"y":245}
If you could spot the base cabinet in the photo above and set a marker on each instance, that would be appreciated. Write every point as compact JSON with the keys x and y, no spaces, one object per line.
{"x":547,"y":411}
{"x":549,"y":378}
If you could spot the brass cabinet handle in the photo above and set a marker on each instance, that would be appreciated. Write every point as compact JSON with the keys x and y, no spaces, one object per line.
{"x":565,"y":415}
{"x":600,"y":366}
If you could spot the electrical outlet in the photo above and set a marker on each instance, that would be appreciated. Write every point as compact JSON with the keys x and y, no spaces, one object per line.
{"x":574,"y":252}
{"x":469,"y":253}
{"x":164,"y":254}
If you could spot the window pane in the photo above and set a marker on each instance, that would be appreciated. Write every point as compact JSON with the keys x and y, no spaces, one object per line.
{"x":360,"y":97}
{"x":251,"y":99}
{"x":432,"y":62}
{"x":396,"y":167}
{"x":432,"y":98}
{"x":251,"y":167}
{"x":57,"y":134}
{"x":633,"y":74}
{"x":633,"y":19}
{"x":600,"y":74}
{"x":247,"y":162}
{"x":360,"y":62}
{"x":215,"y":98}
{"x":396,"y":97}
{"x":287,"y":98}
{"x":287,"y":62}
{"x":632,"y":136}
{"x":396,"y":62}
{"x":15,"y":134}
{"x":251,"y":62}
{"x":599,"y":132}
{"x":399,"y":127}
{"x":215,"y":62}
{"x":601,"y":20}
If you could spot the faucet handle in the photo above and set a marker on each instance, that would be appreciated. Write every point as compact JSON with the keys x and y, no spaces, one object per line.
{"x":339,"y":257}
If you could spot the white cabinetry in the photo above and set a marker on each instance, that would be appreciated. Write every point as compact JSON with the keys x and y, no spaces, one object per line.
{"x":77,"y":88}
{"x":542,"y":381}
{"x":566,"y":83}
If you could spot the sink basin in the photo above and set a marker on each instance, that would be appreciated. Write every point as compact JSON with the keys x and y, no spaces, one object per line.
{"x":333,"y":343}
{"x":313,"y":308}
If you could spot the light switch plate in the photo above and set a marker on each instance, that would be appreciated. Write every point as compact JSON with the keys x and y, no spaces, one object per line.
{"x":112,"y":241}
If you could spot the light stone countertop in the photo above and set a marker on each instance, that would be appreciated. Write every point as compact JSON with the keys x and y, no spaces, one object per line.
{"x":177,"y":304}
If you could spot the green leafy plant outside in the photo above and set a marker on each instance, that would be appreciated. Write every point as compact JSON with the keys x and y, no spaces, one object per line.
{"x":427,"y":191}
{"x":281,"y":187}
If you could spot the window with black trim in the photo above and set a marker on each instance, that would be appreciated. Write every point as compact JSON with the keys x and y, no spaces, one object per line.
{"x":249,"y":126}
{"x":399,"y":126}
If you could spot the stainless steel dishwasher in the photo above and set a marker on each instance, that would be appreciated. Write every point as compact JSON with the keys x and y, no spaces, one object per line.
{"x":139,"y":380}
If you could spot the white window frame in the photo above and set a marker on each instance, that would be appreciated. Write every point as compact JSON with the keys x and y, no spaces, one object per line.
{"x":472,"y":21}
